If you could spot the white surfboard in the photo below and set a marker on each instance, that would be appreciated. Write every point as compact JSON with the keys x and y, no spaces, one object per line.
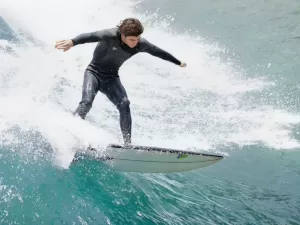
{"x":146,"y":159}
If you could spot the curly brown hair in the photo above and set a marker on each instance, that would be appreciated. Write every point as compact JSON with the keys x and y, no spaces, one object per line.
{"x":131,"y":27}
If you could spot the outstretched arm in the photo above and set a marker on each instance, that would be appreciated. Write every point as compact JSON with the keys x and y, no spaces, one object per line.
{"x":152,"y":49}
{"x":82,"y":39}
{"x":89,"y":37}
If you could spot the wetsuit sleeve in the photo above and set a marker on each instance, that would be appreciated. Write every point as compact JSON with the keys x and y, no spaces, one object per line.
{"x":91,"y":37}
{"x":146,"y":46}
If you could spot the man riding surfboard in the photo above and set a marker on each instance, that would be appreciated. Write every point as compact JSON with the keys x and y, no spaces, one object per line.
{"x":115,"y":46}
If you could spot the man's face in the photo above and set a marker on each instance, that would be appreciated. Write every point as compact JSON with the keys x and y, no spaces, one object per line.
{"x":131,"y":41}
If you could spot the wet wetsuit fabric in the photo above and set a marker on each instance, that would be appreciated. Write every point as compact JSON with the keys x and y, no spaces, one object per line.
{"x":102,"y":74}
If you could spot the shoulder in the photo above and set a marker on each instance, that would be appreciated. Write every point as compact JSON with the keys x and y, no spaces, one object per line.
{"x":108,"y":33}
{"x":144,"y":44}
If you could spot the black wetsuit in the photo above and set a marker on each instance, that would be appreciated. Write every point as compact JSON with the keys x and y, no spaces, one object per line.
{"x":102,"y":74}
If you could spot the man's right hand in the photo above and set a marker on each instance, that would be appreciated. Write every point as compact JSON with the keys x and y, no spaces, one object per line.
{"x":65,"y":45}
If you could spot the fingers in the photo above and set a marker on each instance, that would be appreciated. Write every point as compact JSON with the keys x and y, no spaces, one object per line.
{"x":61,"y":47}
{"x":59,"y":43}
{"x":62,"y":44}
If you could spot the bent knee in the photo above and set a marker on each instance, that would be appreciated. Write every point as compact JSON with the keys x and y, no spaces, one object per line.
{"x":124,"y":104}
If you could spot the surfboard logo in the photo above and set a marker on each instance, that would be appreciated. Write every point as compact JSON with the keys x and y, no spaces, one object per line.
{"x":182,"y":156}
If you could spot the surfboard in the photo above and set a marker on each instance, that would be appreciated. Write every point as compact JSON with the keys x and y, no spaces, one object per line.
{"x":149,"y":159}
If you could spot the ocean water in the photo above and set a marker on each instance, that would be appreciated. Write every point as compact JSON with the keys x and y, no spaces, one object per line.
{"x":238,"y":96}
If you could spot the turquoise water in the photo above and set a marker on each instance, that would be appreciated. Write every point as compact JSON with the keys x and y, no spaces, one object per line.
{"x":237,"y":97}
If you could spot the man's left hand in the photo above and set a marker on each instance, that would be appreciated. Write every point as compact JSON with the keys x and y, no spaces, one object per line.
{"x":182,"y":65}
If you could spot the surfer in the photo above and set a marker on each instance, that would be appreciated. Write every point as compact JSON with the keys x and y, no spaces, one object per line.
{"x":115,"y":46}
